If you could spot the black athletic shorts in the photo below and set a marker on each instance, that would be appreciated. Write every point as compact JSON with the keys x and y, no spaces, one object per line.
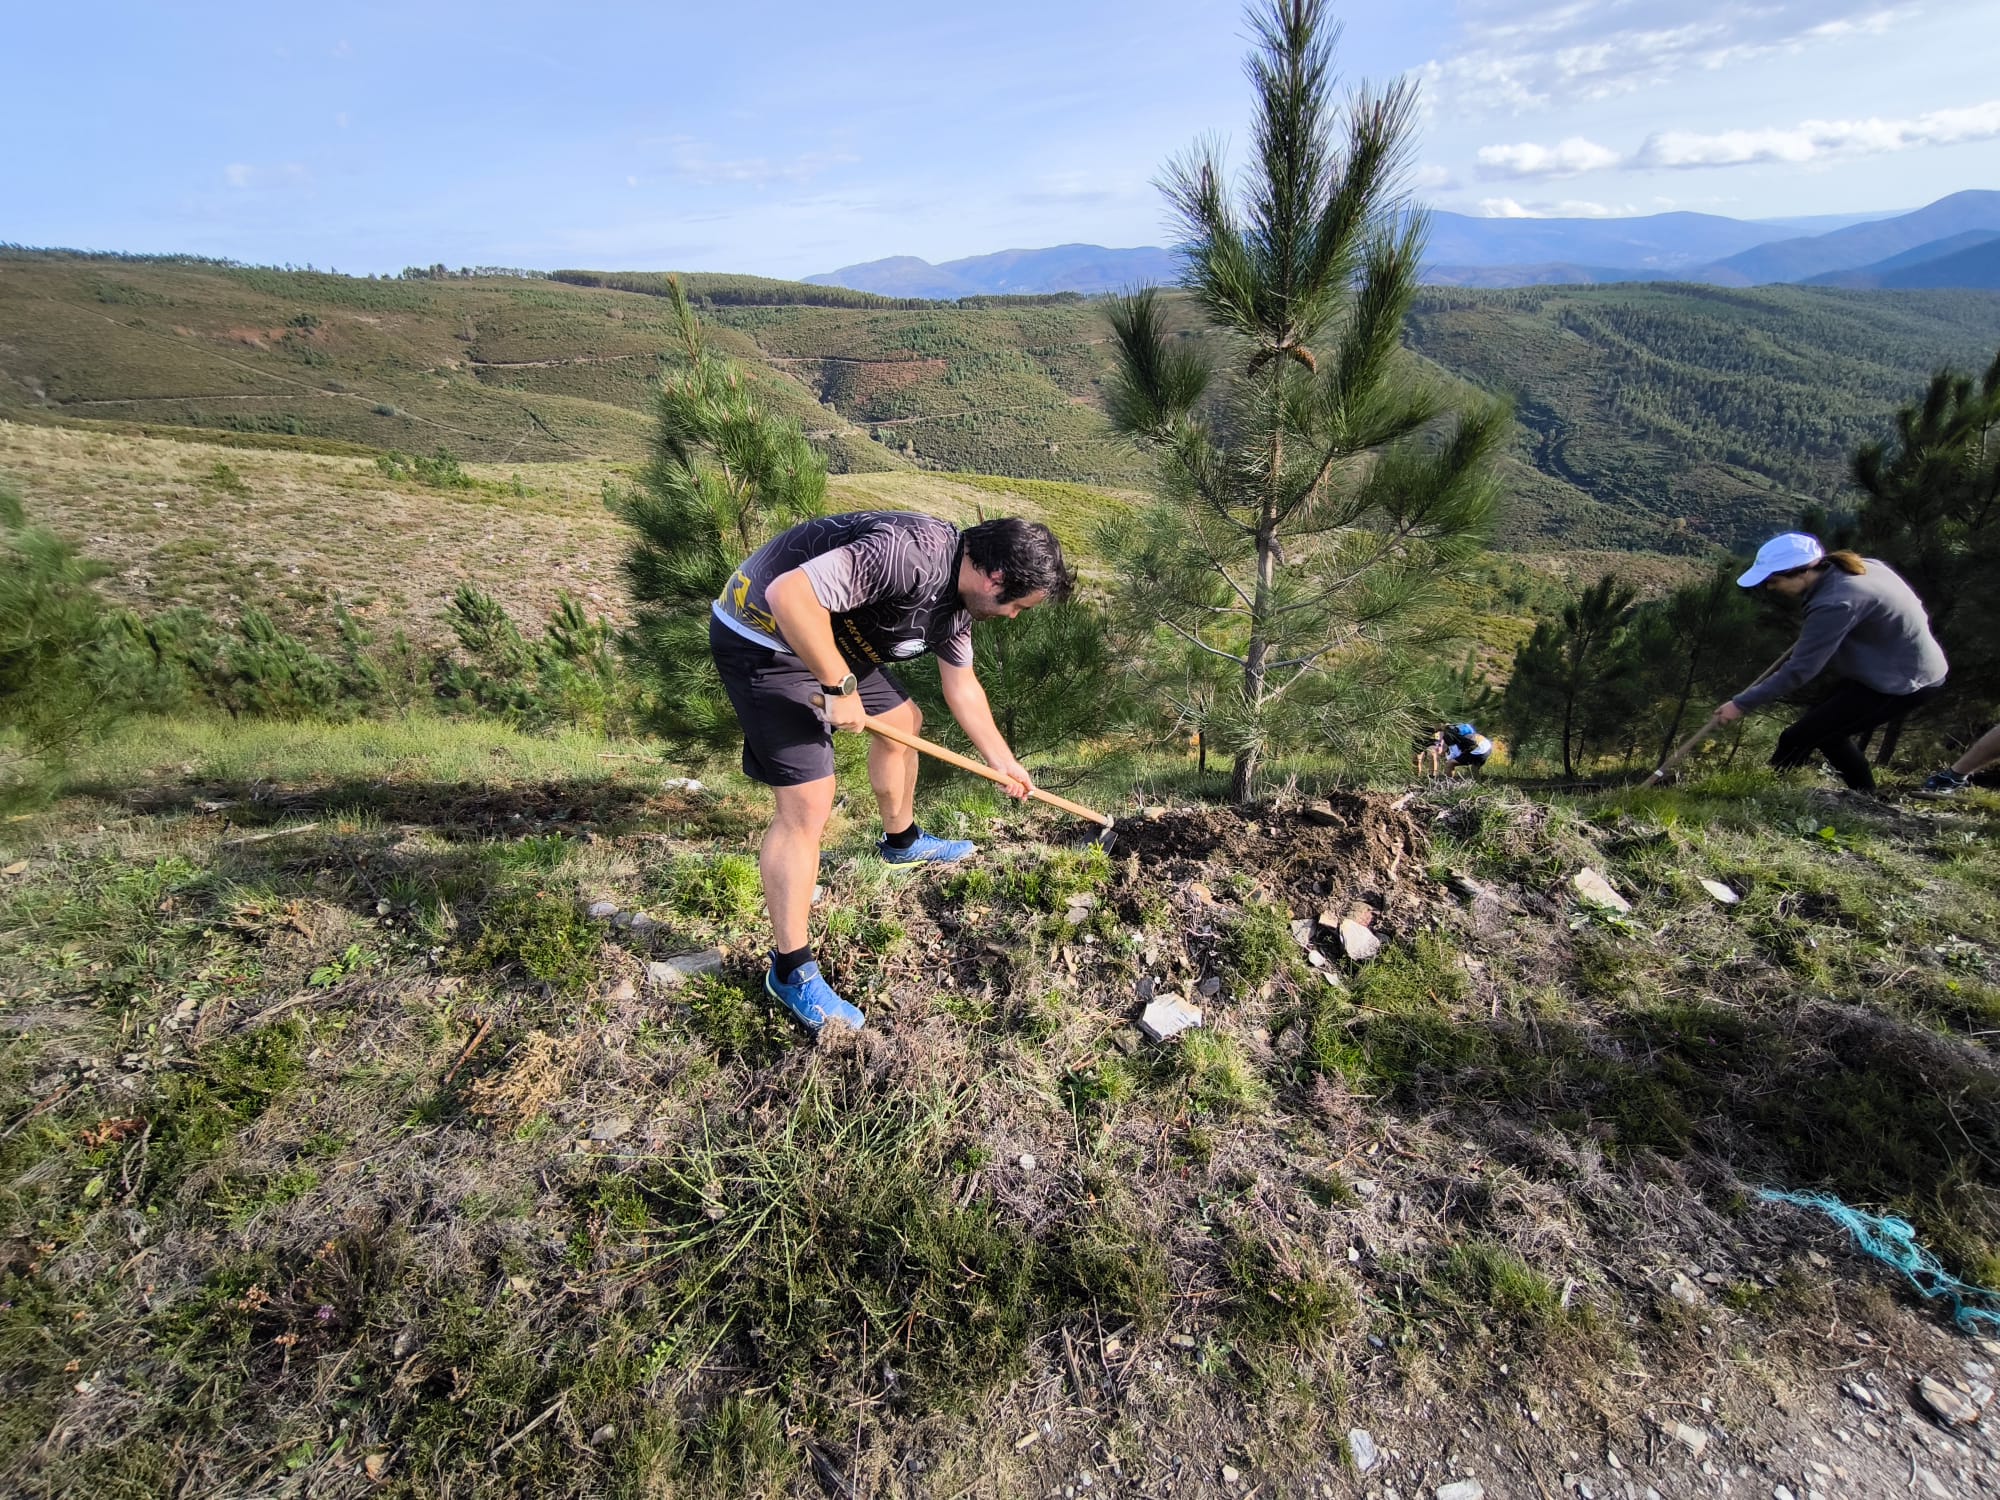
{"x":785,"y":740}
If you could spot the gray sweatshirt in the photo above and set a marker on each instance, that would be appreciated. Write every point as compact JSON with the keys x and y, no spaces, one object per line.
{"x":1871,"y":630}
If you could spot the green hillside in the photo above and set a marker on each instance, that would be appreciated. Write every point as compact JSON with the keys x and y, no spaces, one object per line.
{"x":1661,"y":416}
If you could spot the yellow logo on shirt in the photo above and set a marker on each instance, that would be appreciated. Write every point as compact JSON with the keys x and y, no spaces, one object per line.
{"x":736,"y":599}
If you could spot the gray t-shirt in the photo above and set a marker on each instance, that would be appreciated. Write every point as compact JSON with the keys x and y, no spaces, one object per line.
{"x":889,"y":579}
{"x":1870,"y":629}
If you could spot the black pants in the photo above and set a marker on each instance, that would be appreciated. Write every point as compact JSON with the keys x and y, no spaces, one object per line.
{"x":1849,"y":710}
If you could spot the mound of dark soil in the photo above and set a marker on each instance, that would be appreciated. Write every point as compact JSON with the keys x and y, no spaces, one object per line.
{"x":1354,"y":847}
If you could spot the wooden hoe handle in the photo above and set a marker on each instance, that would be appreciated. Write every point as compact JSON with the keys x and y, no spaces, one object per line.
{"x":978,"y":768}
{"x":1714,"y":723}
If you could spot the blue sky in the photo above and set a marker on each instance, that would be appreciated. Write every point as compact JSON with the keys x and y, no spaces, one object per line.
{"x":782,"y":139}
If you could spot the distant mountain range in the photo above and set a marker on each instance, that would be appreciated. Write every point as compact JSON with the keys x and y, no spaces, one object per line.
{"x":1063,"y":268}
{"x":1934,"y":246}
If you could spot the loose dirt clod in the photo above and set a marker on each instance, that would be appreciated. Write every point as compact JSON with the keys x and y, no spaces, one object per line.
{"x":1354,"y":846}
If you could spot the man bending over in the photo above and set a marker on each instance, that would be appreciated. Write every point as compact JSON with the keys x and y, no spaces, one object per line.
{"x":803,"y":635}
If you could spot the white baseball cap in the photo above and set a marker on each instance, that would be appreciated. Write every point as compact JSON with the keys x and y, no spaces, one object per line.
{"x":1780,"y":555}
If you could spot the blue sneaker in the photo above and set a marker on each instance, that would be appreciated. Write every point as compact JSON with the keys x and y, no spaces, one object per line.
{"x":810,"y":998}
{"x":929,"y":849}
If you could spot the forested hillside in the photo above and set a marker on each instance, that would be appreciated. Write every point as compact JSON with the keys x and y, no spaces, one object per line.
{"x":1658,"y":416}
{"x":1667,"y":415}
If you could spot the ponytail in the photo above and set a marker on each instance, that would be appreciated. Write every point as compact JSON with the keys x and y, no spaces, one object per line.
{"x":1849,"y":563}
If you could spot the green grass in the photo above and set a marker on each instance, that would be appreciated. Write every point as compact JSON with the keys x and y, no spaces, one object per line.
{"x":367,"y":1096}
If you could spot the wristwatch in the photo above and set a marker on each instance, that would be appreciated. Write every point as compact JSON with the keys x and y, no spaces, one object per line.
{"x":842,"y":688}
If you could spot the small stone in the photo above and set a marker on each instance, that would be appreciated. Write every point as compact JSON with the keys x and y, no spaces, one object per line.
{"x":677,"y":970}
{"x":1684,"y":1291}
{"x":1596,"y":890}
{"x":603,"y":1435}
{"x":601,"y":911}
{"x":1302,"y":932}
{"x":643,"y":924}
{"x":1691,"y":1438}
{"x":1076,"y":916}
{"x":680,"y":784}
{"x":1933,"y":1486}
{"x":612,"y":1128}
{"x":520,"y":1286}
{"x":1229,"y":1475}
{"x":19,"y":867}
{"x":1169,"y":1017}
{"x":1782,"y":1492}
{"x":1947,"y":1404}
{"x":1181,"y":1340}
{"x":1361,"y":1448}
{"x":1144,"y":988}
{"x":1855,"y":1391}
{"x":1365,"y":1187}
{"x":1358,"y":942}
{"x":375,"y":1464}
{"x":1462,"y":1489}
{"x":1154,"y":814}
{"x":625,"y":989}
{"x":1323,"y":814}
{"x":1209,"y":987}
{"x":1027,"y":1161}
{"x":1720,"y":891}
{"x":1361,"y":913}
{"x":1316,"y":958}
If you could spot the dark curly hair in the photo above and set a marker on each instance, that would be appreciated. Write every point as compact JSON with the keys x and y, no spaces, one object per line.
{"x":1025,"y":554}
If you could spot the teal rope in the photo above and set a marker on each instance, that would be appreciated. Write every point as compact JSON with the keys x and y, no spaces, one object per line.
{"x":1894,"y":1243}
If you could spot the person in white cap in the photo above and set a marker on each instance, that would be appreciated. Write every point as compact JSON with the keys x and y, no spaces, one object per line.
{"x":1865,"y":625}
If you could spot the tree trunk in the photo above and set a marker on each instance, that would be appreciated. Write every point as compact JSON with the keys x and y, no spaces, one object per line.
{"x":1892,"y":736}
{"x":1680,"y":711}
{"x":1243,"y":774}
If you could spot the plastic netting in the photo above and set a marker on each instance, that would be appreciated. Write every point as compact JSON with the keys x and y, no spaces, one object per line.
{"x":1894,"y":1243}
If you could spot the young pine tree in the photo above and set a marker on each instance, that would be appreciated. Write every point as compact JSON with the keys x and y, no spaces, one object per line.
{"x":1569,"y":683}
{"x":724,"y":477}
{"x":1693,"y":648}
{"x":1933,"y":513}
{"x":51,"y":619}
{"x":1314,"y":491}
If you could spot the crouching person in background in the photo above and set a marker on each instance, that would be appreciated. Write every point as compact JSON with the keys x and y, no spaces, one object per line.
{"x":1865,"y":625}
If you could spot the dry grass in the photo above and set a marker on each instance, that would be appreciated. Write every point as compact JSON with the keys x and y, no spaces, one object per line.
{"x":296,"y":534}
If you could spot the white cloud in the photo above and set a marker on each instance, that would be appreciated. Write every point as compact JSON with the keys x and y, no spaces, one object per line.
{"x":1567,"y":208}
{"x":1818,"y":140}
{"x":244,"y":175}
{"x":1433,"y":178}
{"x":1796,"y":145}
{"x":696,"y":160}
{"x":1564,"y":159}
{"x":1527,"y":54}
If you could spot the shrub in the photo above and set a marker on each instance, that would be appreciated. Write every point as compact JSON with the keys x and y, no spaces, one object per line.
{"x":544,"y":936}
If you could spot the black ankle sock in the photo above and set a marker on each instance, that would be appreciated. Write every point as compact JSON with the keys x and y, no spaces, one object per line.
{"x":904,"y":839}
{"x":785,"y":965}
